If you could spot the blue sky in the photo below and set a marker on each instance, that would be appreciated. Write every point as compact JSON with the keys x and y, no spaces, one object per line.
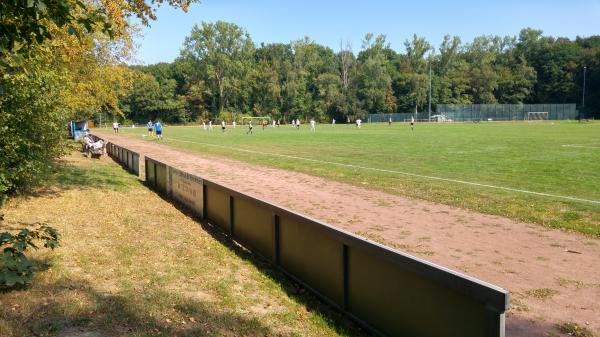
{"x":329,"y":21}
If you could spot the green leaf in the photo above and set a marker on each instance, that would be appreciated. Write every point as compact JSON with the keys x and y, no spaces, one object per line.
{"x":41,"y":6}
{"x":11,"y":279}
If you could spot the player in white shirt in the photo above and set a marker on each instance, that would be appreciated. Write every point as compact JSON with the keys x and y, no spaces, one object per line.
{"x":297,"y":124}
{"x":116,"y":127}
{"x":150,"y":128}
{"x":412,"y":123}
{"x":209,"y":125}
{"x":204,"y":125}
{"x":223,"y":126}
{"x":293,"y":123}
{"x":333,"y":122}
{"x":233,"y":124}
{"x":312,"y":125}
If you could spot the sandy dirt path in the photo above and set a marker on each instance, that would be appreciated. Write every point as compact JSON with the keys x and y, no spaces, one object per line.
{"x":553,"y":276}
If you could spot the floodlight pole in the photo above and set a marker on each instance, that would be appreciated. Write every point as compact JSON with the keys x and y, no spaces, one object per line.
{"x":429,"y":118}
{"x":583,"y":98}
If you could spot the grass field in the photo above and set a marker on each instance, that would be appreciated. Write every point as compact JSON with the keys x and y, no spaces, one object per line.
{"x":561,"y":159}
{"x":131,"y":264}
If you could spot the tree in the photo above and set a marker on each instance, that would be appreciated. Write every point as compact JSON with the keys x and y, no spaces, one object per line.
{"x":374,"y":74}
{"x":59,"y":60}
{"x":223,"y":51}
{"x":413,"y":82}
{"x":27,"y":24}
{"x":329,"y":95}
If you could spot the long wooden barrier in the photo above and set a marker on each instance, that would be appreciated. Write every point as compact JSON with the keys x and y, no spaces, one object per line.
{"x":388,"y":291}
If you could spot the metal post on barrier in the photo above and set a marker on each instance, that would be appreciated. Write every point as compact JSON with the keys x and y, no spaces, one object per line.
{"x":275,"y":223}
{"x":231,"y":216}
{"x":345,"y":276}
{"x":204,"y":202}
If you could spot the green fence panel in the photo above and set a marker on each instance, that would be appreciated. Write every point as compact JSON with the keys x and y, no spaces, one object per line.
{"x":312,"y":256}
{"x":217,"y":207}
{"x":161,"y":177}
{"x":253,"y":225}
{"x":136,"y":163}
{"x":150,"y":172}
{"x":401,"y":302}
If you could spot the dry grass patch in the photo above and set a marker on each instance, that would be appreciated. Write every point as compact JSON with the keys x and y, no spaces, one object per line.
{"x":132,"y":264}
{"x":575,"y":330}
{"x":541,"y":293}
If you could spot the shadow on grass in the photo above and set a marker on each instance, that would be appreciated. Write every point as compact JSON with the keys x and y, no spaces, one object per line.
{"x":74,"y":308}
{"x":334,"y":318}
{"x":80,"y":172}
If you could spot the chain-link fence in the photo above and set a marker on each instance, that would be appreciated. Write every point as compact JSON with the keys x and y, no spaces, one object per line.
{"x":482,"y":112}
{"x":504,"y":112}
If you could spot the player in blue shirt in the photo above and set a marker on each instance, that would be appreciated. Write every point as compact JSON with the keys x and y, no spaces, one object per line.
{"x":158,"y":129}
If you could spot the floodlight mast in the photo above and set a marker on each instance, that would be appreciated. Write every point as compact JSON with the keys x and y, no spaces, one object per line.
{"x":583,"y":98}
{"x":429,"y":118}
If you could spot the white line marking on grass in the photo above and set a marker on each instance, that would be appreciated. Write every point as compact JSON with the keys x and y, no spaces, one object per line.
{"x":510,"y":189}
{"x":582,"y":146}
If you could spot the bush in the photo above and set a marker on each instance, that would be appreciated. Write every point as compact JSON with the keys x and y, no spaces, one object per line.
{"x":32,"y":129}
{"x":16,"y":269}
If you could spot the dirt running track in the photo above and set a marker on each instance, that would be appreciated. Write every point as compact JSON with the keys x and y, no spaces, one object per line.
{"x":553,"y":276}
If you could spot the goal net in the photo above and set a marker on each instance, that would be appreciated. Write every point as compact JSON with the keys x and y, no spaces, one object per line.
{"x":537,"y":116}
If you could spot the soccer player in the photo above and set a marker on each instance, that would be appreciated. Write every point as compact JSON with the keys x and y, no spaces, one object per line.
{"x":234,"y":124}
{"x":116,"y":127}
{"x":158,"y":129}
{"x":333,"y":122}
{"x":204,"y":124}
{"x":210,"y":125}
{"x":293,"y":123}
{"x":150,"y":128}
{"x":297,"y":124}
{"x":263,"y":123}
{"x":390,"y":121}
{"x":249,"y":127}
{"x":412,"y":123}
{"x":223,"y":125}
{"x":312,"y":125}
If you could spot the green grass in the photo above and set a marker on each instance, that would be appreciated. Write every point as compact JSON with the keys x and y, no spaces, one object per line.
{"x":528,"y":156}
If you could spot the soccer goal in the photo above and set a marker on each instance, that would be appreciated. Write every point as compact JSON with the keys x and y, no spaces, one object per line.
{"x":537,"y":116}
{"x":255,"y":120}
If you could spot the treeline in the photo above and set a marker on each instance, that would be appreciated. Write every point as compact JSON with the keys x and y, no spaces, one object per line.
{"x":221,"y":73}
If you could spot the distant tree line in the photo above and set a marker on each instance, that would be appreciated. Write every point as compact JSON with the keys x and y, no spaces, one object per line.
{"x":220,"y":74}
